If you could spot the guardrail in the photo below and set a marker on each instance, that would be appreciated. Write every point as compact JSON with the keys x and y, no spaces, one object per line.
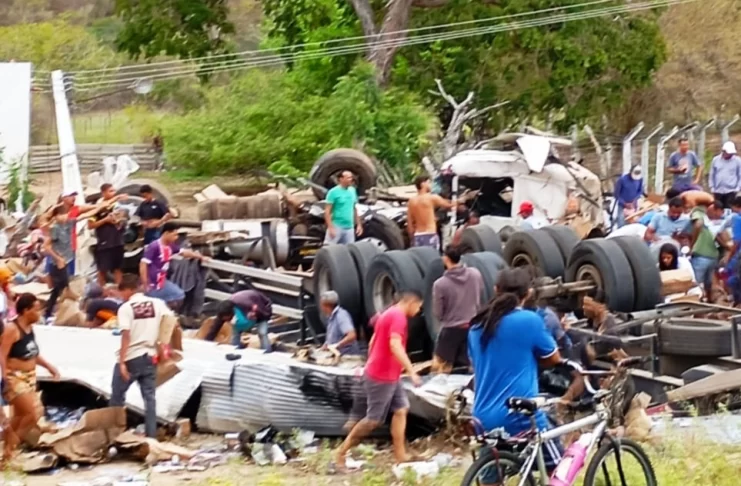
{"x":46,"y":158}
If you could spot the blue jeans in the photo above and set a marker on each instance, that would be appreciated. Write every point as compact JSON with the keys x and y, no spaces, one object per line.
{"x":342,"y":236}
{"x":703,"y":268}
{"x":262,"y":331}
{"x":70,"y":266}
{"x":169,"y":292}
{"x":151,"y":234}
{"x":143,"y":371}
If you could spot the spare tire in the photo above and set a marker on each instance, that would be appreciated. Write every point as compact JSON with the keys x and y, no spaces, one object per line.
{"x":535,"y":248}
{"x":692,"y":337}
{"x":388,"y":274}
{"x":334,"y":269}
{"x":603,"y":262}
{"x":325,"y":170}
{"x":479,"y":238}
{"x":384,"y":231}
{"x":645,"y":271}
{"x":565,"y":238}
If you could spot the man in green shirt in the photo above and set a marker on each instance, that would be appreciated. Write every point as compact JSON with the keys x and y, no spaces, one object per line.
{"x":705,"y":253}
{"x":343,"y":221}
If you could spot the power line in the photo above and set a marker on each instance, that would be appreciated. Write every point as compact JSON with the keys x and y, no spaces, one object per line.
{"x":267,"y":61}
{"x":344,"y":39}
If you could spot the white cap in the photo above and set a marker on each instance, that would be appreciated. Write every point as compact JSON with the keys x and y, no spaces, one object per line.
{"x":72,"y":192}
{"x":729,"y":148}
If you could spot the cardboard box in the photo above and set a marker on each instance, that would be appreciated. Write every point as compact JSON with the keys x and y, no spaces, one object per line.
{"x":168,"y":368}
{"x":676,"y":282}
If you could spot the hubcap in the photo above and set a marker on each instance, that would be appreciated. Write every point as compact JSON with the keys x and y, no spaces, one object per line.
{"x":383,"y":292}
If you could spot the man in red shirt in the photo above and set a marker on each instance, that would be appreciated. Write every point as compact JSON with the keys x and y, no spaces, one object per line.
{"x":387,"y":358}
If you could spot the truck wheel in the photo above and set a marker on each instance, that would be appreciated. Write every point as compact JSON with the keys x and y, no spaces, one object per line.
{"x":645,"y":271}
{"x":325,"y":170}
{"x":334,"y":269}
{"x":603,"y":262}
{"x":565,"y":239}
{"x":505,"y":232}
{"x":535,"y":248}
{"x":489,"y":265}
{"x":692,"y":337}
{"x":434,"y":272}
{"x":384,"y":232}
{"x":424,"y":257}
{"x":388,"y":274}
{"x":363,"y":253}
{"x":481,"y":237}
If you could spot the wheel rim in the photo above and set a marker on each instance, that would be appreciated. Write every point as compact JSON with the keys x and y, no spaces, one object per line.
{"x":383,"y":291}
{"x":523,"y":260}
{"x":590,"y":273}
{"x":324,"y":283}
{"x":378,"y":243}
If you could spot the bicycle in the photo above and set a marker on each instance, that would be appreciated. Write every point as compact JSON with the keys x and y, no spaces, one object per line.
{"x":521,"y":455}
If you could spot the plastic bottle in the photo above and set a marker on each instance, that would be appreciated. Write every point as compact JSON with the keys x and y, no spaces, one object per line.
{"x":572,"y":462}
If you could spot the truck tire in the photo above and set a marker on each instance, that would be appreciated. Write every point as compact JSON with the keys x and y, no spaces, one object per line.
{"x":389,"y":273}
{"x":481,"y":237}
{"x":565,"y":238}
{"x":424,"y":257}
{"x":603,"y":262}
{"x":692,"y":337}
{"x":330,"y":164}
{"x":384,"y":231}
{"x":489,"y":265}
{"x":645,"y":271}
{"x":505,"y":233}
{"x":363,"y":253}
{"x":334,"y":269}
{"x":159,"y":191}
{"x":536,"y":248}
{"x":434,"y":272}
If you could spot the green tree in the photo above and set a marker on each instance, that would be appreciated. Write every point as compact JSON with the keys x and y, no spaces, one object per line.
{"x":576,"y":71}
{"x":179,"y":28}
{"x":268,"y":119}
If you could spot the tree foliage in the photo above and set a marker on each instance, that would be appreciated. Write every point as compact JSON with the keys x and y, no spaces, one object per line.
{"x":268,"y":119}
{"x":576,"y":70}
{"x":179,"y":28}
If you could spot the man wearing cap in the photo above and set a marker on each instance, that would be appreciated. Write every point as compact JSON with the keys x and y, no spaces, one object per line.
{"x":528,"y":219}
{"x":340,"y":328}
{"x":628,"y":189}
{"x":725,"y":174}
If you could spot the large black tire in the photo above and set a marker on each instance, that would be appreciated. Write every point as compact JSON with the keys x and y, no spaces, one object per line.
{"x":565,"y":238}
{"x":627,"y":446}
{"x":509,"y":463}
{"x":388,"y":274}
{"x":481,"y":237}
{"x":363,"y":253}
{"x":384,"y":230}
{"x":692,"y":337}
{"x":424,"y":257}
{"x":505,"y":233}
{"x":330,"y":164}
{"x":489,"y":265}
{"x":159,"y":191}
{"x":434,"y":272}
{"x":334,"y":269}
{"x":645,"y":271}
{"x":535,"y":248}
{"x":603,"y":262}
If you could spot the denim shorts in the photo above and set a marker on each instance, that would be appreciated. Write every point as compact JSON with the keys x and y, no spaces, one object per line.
{"x":343,"y":236}
{"x":704,"y":268}
{"x":169,"y":292}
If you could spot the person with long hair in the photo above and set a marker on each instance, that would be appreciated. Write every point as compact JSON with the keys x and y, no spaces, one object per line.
{"x":20,"y":356}
{"x":506,"y":345}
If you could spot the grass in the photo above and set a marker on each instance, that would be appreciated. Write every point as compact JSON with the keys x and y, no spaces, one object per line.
{"x":133,"y":124}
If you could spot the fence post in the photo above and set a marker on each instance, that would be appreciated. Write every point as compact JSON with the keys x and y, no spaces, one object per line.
{"x":724,"y":135}
{"x":701,"y":140}
{"x":645,"y":146}
{"x":628,"y":147}
{"x":660,"y":155}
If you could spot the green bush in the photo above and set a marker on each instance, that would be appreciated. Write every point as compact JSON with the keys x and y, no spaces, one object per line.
{"x":268,"y":117}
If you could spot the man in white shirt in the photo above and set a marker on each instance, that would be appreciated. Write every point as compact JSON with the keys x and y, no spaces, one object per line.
{"x":528,"y":219}
{"x":139,"y":319}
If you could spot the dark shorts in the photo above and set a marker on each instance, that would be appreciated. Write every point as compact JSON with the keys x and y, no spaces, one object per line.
{"x":552,"y":454}
{"x":70,"y":266}
{"x":427,"y":239}
{"x":725,"y":198}
{"x":452,"y":346}
{"x":109,"y":259}
{"x":376,"y":399}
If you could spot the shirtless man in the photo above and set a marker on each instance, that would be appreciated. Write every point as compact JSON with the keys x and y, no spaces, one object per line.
{"x":421,"y":221}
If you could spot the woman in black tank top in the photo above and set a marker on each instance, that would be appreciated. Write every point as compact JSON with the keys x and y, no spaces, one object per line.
{"x":20,"y":357}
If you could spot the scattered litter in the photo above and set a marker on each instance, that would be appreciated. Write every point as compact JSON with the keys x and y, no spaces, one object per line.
{"x":64,"y":417}
{"x":354,"y":465}
{"x":423,"y":469}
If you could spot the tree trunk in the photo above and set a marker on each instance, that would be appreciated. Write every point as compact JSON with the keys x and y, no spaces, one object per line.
{"x":395,"y":20}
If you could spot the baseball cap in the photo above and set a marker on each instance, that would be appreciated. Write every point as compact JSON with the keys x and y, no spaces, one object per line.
{"x":525,"y":206}
{"x":729,"y":148}
{"x":69,"y":192}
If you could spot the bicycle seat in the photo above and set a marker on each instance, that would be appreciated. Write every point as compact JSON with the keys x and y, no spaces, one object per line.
{"x":525,"y":406}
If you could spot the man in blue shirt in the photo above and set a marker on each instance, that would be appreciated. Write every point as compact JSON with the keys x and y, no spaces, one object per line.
{"x":340,"y":328}
{"x":342,"y":220}
{"x":670,"y":224}
{"x":628,"y":189}
{"x":685,"y":167}
{"x":505,"y":345}
{"x":733,"y":268}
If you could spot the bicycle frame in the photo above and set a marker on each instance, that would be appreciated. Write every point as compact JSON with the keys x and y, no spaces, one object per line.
{"x":598,"y":419}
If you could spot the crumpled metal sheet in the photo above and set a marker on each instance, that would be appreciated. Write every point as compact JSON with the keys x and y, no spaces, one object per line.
{"x":273,"y":389}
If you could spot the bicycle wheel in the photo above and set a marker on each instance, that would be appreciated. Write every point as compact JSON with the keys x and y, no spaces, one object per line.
{"x":635,"y":463}
{"x":485,"y":470}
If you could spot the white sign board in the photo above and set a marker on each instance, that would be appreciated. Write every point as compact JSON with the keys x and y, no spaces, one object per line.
{"x":15,"y":114}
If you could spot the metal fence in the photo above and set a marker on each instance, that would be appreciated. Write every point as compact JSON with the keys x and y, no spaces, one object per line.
{"x":46,"y":158}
